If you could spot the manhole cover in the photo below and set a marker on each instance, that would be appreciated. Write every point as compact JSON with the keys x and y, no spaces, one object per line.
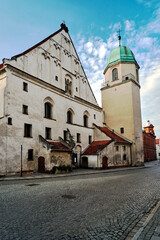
{"x":69,"y":196}
{"x":32,"y":184}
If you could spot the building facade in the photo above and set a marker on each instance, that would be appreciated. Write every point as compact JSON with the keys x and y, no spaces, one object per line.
{"x":46,"y":101}
{"x":149,"y":142}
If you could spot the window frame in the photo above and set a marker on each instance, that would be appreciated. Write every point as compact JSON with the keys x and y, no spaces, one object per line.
{"x":115,"y":74}
{"x":27,"y":130}
{"x":48,"y":133}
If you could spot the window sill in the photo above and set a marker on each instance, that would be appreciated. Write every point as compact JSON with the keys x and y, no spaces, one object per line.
{"x":50,"y":118}
{"x":27,"y":137}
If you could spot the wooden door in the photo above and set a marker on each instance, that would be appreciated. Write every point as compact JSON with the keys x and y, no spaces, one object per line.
{"x":41,"y":164}
{"x":105,"y":162}
{"x":85,"y":162}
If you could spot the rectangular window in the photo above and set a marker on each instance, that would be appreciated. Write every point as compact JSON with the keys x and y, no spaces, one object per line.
{"x":27,"y":130}
{"x":9,"y":121}
{"x":25,"y":109}
{"x":30,"y":154}
{"x":25,"y":86}
{"x":78,"y":137}
{"x":122,"y":130}
{"x":117,"y":148}
{"x":56,"y":78}
{"x":124,"y":148}
{"x":48,"y":133}
{"x":65,"y":135}
{"x":94,"y":116}
{"x":89,"y":139}
{"x":159,"y":154}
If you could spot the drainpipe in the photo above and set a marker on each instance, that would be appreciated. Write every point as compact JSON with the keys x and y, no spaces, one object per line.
{"x":131,"y":153}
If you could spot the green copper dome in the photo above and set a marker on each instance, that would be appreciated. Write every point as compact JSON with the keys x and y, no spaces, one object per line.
{"x":121,"y":54}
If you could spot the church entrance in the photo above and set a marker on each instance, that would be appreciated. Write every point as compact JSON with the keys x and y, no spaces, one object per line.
{"x":41,"y":164}
{"x":84,"y":162}
{"x":104,"y":162}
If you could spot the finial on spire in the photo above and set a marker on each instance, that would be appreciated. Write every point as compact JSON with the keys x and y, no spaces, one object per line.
{"x":119,"y":37}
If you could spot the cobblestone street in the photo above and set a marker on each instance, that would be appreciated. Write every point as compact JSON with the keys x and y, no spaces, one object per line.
{"x":101,"y":206}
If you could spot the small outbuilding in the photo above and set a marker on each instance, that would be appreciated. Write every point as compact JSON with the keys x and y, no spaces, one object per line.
{"x":108,"y":150}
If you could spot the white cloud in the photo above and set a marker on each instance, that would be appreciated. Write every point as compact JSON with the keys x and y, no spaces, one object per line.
{"x":145,"y":45}
{"x":129,"y":25}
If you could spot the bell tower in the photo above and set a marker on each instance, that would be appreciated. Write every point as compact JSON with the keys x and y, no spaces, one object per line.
{"x":121,"y":99}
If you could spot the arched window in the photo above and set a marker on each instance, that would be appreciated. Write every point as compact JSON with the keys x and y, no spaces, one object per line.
{"x":69,"y":117}
{"x":114,"y":74}
{"x":85,"y":121}
{"x":48,"y":110}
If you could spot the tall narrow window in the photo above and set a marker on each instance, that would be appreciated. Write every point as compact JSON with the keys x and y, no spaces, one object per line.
{"x":25,"y":109}
{"x":89,"y":139}
{"x":48,"y":110}
{"x":122,"y":130}
{"x":137,"y":76}
{"x":117,"y":148}
{"x":69,"y":117}
{"x":78,"y":137}
{"x":27,"y":130}
{"x":25,"y":86}
{"x":30,"y":154}
{"x":85,"y":121}
{"x":65,"y":135}
{"x":48,"y":133}
{"x":115,"y":74}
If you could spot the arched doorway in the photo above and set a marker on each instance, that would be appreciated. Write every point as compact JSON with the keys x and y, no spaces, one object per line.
{"x":85,"y":162}
{"x":41,"y":164}
{"x":104,"y":162}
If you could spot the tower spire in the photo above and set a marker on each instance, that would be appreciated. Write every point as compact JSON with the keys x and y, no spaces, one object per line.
{"x":119,"y":37}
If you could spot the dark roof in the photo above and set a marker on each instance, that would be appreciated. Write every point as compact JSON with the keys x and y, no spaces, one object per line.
{"x":58,"y":146}
{"x":112,"y":134}
{"x":63,"y":27}
{"x":96,"y":146}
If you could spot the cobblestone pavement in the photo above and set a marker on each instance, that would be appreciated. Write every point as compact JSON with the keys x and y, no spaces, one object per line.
{"x":103,"y":206}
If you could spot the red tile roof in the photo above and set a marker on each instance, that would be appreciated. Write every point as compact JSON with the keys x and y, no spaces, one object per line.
{"x":112,"y":134}
{"x":58,"y":146}
{"x":1,"y":65}
{"x":96,"y":146}
{"x":157,"y":141}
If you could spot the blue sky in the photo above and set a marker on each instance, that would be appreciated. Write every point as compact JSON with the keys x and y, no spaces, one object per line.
{"x":93,"y":26}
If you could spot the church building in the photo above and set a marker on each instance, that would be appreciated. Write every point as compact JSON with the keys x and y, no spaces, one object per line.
{"x":49,"y":115}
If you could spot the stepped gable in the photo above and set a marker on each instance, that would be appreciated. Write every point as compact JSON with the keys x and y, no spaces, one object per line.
{"x":112,"y":134}
{"x":96,"y":146}
{"x":58,"y":146}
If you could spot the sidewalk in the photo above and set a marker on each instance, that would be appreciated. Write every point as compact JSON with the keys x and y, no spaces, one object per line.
{"x":75,"y":172}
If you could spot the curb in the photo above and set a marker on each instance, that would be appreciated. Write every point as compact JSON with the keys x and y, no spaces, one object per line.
{"x":68,"y":175}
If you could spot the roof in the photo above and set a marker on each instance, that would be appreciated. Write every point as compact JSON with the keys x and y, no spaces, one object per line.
{"x":157,"y":141}
{"x":95,"y":147}
{"x":112,"y":134}
{"x":121,"y":54}
{"x":1,"y":65}
{"x":63,"y":27}
{"x":58,"y":146}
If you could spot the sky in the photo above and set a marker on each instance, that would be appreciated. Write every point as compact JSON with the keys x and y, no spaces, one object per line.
{"x":93,"y":26}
